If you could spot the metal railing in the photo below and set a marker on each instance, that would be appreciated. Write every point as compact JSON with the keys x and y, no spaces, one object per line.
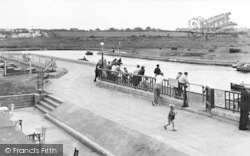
{"x":224,"y":99}
{"x":25,"y":57}
{"x":146,"y":83}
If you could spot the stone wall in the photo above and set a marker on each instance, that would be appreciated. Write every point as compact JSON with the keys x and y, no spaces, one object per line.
{"x":164,"y":99}
{"x":20,"y":101}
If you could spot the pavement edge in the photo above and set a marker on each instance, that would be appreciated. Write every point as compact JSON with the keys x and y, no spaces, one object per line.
{"x":83,"y":139}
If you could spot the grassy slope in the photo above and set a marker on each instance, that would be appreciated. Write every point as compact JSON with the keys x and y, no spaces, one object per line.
{"x":20,"y":84}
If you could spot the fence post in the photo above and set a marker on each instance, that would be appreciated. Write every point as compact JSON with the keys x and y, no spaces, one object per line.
{"x":30,"y":66}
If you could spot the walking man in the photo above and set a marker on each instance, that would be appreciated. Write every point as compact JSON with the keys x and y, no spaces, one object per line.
{"x":244,"y":108}
{"x":157,"y":89}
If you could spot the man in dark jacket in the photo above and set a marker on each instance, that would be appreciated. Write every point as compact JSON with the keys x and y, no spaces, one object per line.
{"x":157,"y":70}
{"x":244,"y":108}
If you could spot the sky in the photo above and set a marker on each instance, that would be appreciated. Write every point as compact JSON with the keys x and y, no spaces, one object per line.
{"x":104,"y":14}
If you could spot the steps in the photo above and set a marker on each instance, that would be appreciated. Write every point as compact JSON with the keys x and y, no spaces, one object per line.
{"x":49,"y":103}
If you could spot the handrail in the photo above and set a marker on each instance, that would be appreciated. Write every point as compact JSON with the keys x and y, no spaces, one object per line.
{"x":51,"y":63}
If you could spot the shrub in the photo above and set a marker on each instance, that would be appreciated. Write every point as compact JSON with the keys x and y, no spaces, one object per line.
{"x":234,"y":50}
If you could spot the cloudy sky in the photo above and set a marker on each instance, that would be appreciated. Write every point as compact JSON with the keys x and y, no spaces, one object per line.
{"x":103,"y":14}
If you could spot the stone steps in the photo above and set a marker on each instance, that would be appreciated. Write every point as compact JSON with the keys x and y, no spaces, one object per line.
{"x":49,"y":103}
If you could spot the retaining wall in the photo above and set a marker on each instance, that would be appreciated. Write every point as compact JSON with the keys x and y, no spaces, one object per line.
{"x":20,"y":101}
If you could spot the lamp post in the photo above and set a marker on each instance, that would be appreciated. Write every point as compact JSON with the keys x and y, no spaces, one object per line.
{"x":102,"y":44}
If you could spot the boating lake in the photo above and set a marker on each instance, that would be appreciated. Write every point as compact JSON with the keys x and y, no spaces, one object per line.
{"x":218,"y":77}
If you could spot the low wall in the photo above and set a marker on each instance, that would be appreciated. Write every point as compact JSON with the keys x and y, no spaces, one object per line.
{"x":164,"y":99}
{"x":20,"y":101}
{"x":225,"y":115}
{"x":106,"y":136}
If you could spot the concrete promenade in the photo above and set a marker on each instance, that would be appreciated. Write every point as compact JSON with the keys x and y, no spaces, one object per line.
{"x":196,"y":135}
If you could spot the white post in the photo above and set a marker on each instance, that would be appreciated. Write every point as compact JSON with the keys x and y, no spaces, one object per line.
{"x":30,"y":66}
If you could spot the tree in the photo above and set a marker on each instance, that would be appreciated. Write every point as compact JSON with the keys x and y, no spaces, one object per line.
{"x":112,"y":29}
{"x":148,"y":28}
{"x":138,"y":29}
{"x":97,"y":29}
{"x":128,"y":30}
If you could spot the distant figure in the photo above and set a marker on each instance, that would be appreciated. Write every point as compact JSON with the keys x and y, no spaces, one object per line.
{"x":120,"y":61}
{"x":157,"y":89}
{"x":113,"y":62}
{"x":171,"y":117}
{"x":183,"y":81}
{"x":135,"y":78}
{"x":157,"y":70}
{"x":125,"y":75}
{"x":115,"y":72}
{"x":97,"y":71}
{"x":141,"y":72}
{"x":136,"y":70}
{"x":244,"y":108}
{"x":109,"y":66}
{"x":178,"y":90}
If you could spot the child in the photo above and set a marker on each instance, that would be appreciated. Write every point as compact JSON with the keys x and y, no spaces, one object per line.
{"x":171,"y":116}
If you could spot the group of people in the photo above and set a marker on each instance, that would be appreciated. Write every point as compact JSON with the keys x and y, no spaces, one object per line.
{"x":181,"y":90}
{"x":113,"y":71}
{"x":182,"y":83}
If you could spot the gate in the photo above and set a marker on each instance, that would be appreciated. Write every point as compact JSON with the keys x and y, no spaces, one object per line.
{"x":209,"y":98}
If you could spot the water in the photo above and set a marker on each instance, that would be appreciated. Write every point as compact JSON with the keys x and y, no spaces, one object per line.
{"x":218,"y":77}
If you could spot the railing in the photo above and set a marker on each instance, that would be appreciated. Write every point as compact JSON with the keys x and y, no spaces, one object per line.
{"x":146,"y":83}
{"x":24,"y":57}
{"x":227,"y":100}
{"x":232,"y":100}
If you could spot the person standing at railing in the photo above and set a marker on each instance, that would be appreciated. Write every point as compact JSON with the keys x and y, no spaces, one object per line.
{"x":183,"y":81}
{"x":244,"y":108}
{"x":135,"y":78}
{"x":116,"y":69}
{"x":157,"y":70}
{"x":178,"y":90}
{"x":125,"y":75}
{"x":109,"y":68}
{"x":141,"y":72}
{"x":157,"y":89}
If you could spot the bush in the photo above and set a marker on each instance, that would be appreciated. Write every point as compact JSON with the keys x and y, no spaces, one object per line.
{"x":211,"y":50}
{"x":234,"y":50}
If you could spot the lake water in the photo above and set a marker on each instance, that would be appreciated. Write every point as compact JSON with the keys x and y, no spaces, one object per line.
{"x":218,"y":77}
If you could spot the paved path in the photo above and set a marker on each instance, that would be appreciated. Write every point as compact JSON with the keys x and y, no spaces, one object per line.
{"x":196,"y":135}
{"x":33,"y":121}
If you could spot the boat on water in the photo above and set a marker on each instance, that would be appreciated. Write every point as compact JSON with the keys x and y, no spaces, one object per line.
{"x":83,"y":59}
{"x":238,"y":87}
{"x":89,"y":53}
{"x":244,"y":68}
{"x":237,"y":64}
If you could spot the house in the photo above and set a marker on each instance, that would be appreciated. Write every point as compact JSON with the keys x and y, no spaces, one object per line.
{"x":21,"y":30}
{"x":3,"y":36}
